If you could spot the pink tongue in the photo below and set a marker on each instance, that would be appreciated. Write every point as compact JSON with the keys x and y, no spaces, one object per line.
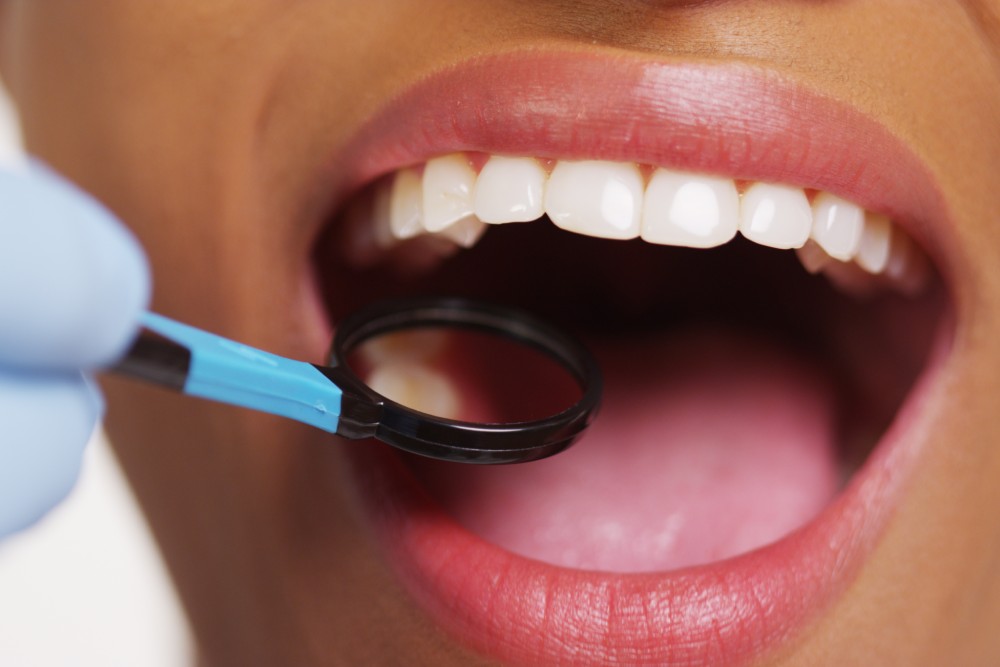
{"x":707,"y":446}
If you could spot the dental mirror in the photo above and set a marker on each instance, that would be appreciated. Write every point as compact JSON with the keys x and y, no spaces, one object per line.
{"x":449,"y":378}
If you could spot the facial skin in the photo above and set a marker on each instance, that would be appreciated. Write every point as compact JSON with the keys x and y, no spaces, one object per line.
{"x":208,"y":126}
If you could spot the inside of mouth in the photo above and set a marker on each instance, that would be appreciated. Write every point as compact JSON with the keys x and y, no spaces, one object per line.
{"x":476,"y":376}
{"x":741,"y":392}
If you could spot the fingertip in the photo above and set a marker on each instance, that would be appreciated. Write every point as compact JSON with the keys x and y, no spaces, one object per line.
{"x":123,"y":286}
{"x":75,"y":279}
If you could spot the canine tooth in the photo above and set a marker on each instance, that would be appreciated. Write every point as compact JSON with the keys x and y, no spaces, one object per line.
{"x":448,"y":185}
{"x":837,"y":226}
{"x":773,"y":215}
{"x":416,"y":386}
{"x":602,"y":199}
{"x":690,"y":210}
{"x":873,"y":252}
{"x":510,"y":189}
{"x":466,"y":232}
{"x":406,"y":205}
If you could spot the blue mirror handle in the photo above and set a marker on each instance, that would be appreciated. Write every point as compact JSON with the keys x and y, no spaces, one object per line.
{"x":205,"y":365}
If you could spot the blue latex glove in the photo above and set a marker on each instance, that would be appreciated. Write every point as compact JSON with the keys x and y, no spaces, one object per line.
{"x":73,"y":282}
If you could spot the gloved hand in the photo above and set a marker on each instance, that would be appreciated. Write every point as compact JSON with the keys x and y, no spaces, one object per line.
{"x":73,"y":282}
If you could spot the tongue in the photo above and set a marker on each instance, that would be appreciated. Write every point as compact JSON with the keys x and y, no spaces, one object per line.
{"x":707,"y":446}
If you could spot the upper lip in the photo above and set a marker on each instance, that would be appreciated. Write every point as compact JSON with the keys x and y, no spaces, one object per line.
{"x":728,"y":119}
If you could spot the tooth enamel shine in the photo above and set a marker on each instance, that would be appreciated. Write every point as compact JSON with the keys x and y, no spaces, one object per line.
{"x":837,"y":226}
{"x":690,"y":210}
{"x":449,"y":206}
{"x":510,"y":189}
{"x":778,"y":216}
{"x":873,"y":251}
{"x":416,"y":386}
{"x":601,"y":199}
{"x":465,"y":233}
{"x":406,"y":205}
{"x":448,"y":184}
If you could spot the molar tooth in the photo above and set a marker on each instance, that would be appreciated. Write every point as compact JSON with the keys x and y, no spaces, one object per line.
{"x":367,"y":237}
{"x":837,"y":226}
{"x":690,"y":210}
{"x":907,"y":267}
{"x":406,"y":205}
{"x":778,"y":216}
{"x":602,"y":199}
{"x":447,"y":188}
{"x":416,"y":385}
{"x":873,"y":252}
{"x":510,"y":189}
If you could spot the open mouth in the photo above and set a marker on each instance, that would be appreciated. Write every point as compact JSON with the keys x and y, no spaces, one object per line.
{"x":759,"y":337}
{"x":742,"y":391}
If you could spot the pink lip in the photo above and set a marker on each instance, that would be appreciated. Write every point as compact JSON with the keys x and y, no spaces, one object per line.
{"x":725,"y":119}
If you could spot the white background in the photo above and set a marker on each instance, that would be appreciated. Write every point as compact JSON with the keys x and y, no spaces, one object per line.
{"x":85,"y":587}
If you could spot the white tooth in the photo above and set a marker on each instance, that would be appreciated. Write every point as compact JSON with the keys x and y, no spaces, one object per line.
{"x":382,"y":216}
{"x":873,"y":253}
{"x":690,"y":210}
{"x":778,"y":216}
{"x":416,"y":386}
{"x":602,"y":199}
{"x":448,"y":185}
{"x":837,"y":226}
{"x":412,"y":345}
{"x":465,"y":232}
{"x":406,"y":205}
{"x":510,"y":189}
{"x":813,"y":258}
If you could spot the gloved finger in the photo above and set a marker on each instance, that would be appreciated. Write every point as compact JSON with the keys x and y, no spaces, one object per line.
{"x":45,"y":423}
{"x":73,"y":280}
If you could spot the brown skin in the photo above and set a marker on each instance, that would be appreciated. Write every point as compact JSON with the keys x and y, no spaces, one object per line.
{"x":205,"y":124}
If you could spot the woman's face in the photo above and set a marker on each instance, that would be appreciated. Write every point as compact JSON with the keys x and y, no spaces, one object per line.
{"x":784,"y":472}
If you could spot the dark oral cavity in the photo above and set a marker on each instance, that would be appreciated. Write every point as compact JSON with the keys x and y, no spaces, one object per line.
{"x":741,"y":393}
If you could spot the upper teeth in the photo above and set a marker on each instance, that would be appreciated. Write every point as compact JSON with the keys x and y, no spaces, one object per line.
{"x":510,"y":189}
{"x":602,"y":199}
{"x":450,"y":200}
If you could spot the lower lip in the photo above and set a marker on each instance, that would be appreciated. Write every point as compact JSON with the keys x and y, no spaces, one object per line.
{"x":729,"y":612}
